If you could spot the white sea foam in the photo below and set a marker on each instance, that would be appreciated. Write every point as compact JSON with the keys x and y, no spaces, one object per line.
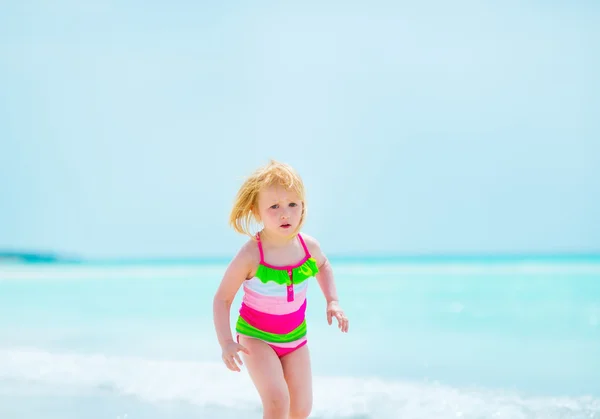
{"x":211,"y":385}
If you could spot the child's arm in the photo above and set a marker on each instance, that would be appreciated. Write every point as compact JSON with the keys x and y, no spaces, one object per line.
{"x":237,"y":272}
{"x":325,"y":276}
{"x":326,"y":281}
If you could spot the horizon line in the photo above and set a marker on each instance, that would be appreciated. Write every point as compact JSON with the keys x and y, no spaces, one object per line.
{"x":40,"y":258}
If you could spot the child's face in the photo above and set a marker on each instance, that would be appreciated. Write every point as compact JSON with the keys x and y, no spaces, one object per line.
{"x":279,"y":209}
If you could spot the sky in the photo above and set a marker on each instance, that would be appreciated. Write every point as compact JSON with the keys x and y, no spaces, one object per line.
{"x":126,"y":127}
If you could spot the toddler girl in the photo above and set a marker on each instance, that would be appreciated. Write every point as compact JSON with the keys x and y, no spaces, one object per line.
{"x":274,"y":267}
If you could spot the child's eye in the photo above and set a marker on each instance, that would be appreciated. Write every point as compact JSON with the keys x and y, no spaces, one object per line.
{"x":275,"y":206}
{"x":293,"y":204}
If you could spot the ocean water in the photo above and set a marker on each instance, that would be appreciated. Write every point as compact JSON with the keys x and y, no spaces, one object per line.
{"x":470,"y":339}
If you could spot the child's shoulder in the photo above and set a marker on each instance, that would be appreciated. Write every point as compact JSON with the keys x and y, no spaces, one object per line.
{"x":313,"y":245}
{"x":249,"y":252}
{"x":310,"y":240}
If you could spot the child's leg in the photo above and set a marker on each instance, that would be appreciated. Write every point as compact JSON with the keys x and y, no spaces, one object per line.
{"x":264,"y":368}
{"x":298,"y":375}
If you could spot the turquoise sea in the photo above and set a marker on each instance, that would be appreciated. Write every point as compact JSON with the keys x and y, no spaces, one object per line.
{"x":450,"y":338}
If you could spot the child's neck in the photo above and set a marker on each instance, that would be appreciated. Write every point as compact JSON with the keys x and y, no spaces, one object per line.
{"x":275,"y":240}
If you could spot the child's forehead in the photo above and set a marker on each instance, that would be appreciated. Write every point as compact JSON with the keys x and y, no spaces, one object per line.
{"x":277,"y":193}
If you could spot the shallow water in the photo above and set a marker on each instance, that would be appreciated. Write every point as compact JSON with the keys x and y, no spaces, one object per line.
{"x":469,"y":340}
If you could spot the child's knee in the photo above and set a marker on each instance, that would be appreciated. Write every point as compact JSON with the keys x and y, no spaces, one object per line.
{"x":277,"y":404}
{"x":300,"y":411}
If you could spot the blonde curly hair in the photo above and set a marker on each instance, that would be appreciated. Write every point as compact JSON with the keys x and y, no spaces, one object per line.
{"x":245,"y":206}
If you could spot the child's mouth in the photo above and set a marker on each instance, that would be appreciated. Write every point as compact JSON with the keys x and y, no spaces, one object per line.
{"x":285,"y":225}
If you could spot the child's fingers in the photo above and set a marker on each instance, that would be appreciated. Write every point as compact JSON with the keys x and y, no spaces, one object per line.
{"x":329,"y":318}
{"x":238,"y":359}
{"x":346,"y":325}
{"x":342,"y":321}
{"x":232,"y":365}
{"x":244,"y":349}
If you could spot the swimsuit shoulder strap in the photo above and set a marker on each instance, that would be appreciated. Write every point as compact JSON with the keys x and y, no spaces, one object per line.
{"x":304,"y":246}
{"x":260,"y":248}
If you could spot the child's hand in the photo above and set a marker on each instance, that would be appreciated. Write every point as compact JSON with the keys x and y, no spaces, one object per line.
{"x":334,"y":310}
{"x":230,"y":355}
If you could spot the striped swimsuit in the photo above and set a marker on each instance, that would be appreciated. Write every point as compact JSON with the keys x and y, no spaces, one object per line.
{"x":274,"y":303}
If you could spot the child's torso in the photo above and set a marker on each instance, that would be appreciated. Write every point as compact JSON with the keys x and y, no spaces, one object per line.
{"x":279,"y":289}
